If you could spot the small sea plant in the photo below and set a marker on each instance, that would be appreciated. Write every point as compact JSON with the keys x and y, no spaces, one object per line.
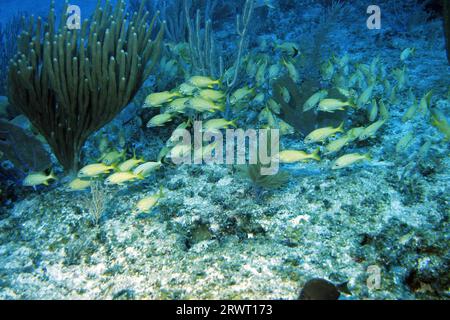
{"x":261,"y":181}
{"x":97,"y":201}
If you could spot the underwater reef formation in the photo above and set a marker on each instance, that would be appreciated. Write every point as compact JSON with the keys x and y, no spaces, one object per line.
{"x":70,"y":83}
{"x":23,"y":150}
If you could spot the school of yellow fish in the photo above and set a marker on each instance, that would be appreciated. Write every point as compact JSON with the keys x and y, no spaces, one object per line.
{"x":366,"y":87}
{"x":370,"y":87}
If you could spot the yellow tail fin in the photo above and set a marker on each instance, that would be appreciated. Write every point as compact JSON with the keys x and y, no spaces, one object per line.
{"x":140,"y":176}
